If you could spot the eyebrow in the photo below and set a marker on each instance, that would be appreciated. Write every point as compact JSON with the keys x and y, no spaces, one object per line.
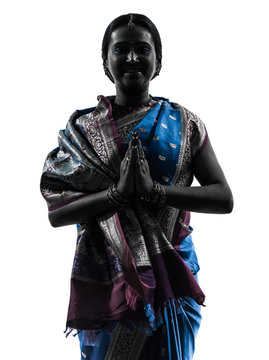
{"x":132,"y":42}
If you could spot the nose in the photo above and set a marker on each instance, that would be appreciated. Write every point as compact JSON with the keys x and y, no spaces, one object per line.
{"x":132,"y":57}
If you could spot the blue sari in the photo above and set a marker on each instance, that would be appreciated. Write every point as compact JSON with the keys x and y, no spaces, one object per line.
{"x":151,"y":259}
{"x":173,"y":340}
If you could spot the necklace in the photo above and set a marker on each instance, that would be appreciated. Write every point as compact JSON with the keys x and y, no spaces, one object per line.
{"x":120,"y":110}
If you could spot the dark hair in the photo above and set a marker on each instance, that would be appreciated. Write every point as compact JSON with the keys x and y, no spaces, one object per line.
{"x":131,"y":20}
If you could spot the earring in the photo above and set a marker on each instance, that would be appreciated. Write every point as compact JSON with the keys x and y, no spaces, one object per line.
{"x":107,"y":72}
{"x":158,"y":69}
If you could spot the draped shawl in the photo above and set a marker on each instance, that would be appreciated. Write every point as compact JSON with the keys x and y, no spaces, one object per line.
{"x":126,"y":265}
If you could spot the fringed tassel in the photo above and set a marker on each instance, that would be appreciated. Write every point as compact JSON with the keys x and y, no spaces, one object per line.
{"x":174,"y":329}
{"x":157,"y":319}
{"x":168,"y":332}
{"x":177,"y":329}
{"x":154,"y":320}
{"x":68,"y":331}
{"x":77,"y":333}
{"x":150,"y":315}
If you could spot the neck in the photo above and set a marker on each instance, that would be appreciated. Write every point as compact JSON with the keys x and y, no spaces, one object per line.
{"x":125,"y":98}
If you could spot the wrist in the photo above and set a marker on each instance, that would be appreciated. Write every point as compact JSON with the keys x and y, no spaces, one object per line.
{"x":150,"y":193}
{"x":157,"y":195}
{"x":115,"y":198}
{"x":123,"y":193}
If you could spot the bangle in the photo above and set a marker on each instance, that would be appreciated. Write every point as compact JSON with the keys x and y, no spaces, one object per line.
{"x":157,"y":195}
{"x":115,"y":198}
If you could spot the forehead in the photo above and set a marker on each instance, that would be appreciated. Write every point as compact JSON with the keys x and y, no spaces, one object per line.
{"x":138,"y":34}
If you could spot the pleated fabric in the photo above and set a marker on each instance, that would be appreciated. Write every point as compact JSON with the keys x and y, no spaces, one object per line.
{"x":174,"y":338}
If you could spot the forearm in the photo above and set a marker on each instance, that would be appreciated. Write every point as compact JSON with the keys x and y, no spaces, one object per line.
{"x":214,"y":198}
{"x":89,"y":207}
{"x":80,"y":211}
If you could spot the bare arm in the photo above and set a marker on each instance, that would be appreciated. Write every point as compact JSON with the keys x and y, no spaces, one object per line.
{"x":214,"y":194}
{"x":82,"y":210}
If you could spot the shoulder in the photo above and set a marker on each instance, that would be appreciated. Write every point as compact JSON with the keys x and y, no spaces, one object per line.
{"x":194,"y":122}
{"x":189,"y":115}
{"x":196,"y":130}
{"x":76,"y":114}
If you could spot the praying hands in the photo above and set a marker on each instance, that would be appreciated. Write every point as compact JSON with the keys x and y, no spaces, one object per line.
{"x":134,"y":171}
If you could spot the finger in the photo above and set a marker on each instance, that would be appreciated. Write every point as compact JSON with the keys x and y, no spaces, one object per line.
{"x":136,"y":155}
{"x":139,"y":163}
{"x":141,"y":150}
{"x":140,"y":158}
{"x":130,"y":143}
{"x":135,"y":137}
{"x":131,"y":156}
{"x":125,"y":160}
{"x":127,"y":154}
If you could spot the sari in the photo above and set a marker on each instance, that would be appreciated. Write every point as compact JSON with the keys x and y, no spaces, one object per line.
{"x":128,"y":275}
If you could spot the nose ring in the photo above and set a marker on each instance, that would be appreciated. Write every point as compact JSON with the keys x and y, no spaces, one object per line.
{"x":132,"y":57}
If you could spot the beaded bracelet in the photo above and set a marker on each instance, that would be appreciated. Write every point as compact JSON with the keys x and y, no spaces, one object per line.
{"x":157,"y":196}
{"x":115,"y":198}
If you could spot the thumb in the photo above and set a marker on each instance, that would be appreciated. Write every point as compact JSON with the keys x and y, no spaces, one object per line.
{"x":132,"y":155}
{"x":136,"y":156}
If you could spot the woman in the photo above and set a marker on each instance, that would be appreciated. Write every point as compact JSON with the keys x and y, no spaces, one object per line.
{"x":123,"y":171}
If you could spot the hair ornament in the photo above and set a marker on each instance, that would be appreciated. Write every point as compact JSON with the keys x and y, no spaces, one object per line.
{"x":131,"y":24}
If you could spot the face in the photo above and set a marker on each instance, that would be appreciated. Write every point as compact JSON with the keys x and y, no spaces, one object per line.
{"x":131,"y":57}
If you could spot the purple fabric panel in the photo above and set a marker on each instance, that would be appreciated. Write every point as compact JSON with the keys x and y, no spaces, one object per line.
{"x":142,"y":279}
{"x":164,"y":290}
{"x":179,"y":284}
{"x":109,"y":302}
{"x":51,"y":208}
{"x":86,"y":310}
{"x":148,"y":280}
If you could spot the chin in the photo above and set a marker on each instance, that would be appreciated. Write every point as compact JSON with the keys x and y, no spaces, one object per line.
{"x":135,"y":78}
{"x":133,"y":75}
{"x":133,"y":83}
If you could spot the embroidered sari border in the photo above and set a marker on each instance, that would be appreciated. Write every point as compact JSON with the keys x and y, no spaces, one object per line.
{"x":137,"y":288}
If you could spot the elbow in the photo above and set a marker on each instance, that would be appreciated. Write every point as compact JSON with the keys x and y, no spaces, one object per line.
{"x":228,"y":202}
{"x":53,"y":219}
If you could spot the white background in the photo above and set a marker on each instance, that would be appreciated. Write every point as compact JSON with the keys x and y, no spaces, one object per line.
{"x":215,"y":62}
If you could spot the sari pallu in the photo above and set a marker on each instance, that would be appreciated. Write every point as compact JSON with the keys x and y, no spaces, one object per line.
{"x":126,"y":267}
{"x":173,"y":340}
